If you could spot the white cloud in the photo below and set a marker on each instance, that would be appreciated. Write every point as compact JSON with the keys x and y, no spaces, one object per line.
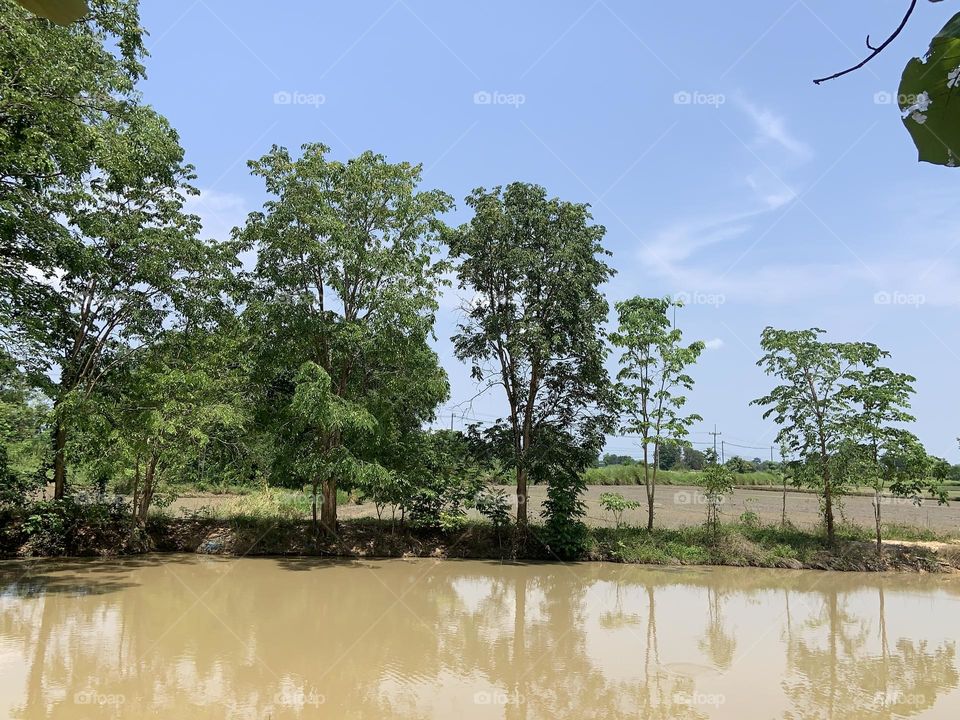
{"x":771,"y":128}
{"x":714,"y":344}
{"x":219,"y":212}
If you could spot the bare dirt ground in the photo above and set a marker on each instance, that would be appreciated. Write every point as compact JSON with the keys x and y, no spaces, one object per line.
{"x":684,"y":505}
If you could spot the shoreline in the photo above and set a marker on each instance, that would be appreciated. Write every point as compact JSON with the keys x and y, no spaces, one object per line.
{"x":733,"y":545}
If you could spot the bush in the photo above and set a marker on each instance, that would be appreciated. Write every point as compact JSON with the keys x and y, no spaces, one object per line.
{"x":16,"y":490}
{"x":564,"y":533}
{"x":78,"y":525}
{"x":617,"y":504}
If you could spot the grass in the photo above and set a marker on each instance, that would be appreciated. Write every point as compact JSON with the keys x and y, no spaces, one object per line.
{"x":633,"y":475}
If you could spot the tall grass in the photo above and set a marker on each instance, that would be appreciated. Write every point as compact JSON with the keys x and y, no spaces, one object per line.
{"x":633,"y":475}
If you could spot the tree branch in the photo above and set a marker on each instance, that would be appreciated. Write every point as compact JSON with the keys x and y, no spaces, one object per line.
{"x":875,"y":50}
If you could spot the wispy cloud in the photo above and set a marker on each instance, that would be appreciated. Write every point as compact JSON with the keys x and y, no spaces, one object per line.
{"x":219,"y":212}
{"x":771,"y":128}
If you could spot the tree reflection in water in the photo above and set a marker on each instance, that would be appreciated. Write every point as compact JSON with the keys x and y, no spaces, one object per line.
{"x":256,"y":638}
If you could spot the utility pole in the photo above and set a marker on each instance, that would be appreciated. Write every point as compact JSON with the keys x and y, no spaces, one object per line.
{"x":715,"y":433}
{"x":722,"y":459}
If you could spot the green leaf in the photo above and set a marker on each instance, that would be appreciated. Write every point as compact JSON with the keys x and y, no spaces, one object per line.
{"x":930,"y":111}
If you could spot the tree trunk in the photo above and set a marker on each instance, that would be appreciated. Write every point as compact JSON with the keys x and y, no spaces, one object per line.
{"x":876,"y":517}
{"x":783,"y":508}
{"x":649,"y":486}
{"x":313,"y":505}
{"x":828,"y":508}
{"x":521,"y":498}
{"x":328,"y":511}
{"x":146,"y":496}
{"x":59,"y":460}
{"x":827,"y":491}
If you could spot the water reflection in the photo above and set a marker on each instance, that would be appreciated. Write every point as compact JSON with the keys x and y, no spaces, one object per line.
{"x":205,"y":637}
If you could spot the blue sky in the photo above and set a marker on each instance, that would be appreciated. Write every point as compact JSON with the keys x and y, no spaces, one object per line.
{"x":719,"y":170}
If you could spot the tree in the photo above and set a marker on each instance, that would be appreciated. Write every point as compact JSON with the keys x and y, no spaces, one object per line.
{"x":59,"y":86}
{"x":533,"y":323}
{"x":136,"y":268}
{"x":693,"y":459}
{"x":344,"y":295}
{"x":717,"y":482}
{"x":815,"y":406}
{"x":181,"y":395}
{"x":653,"y":373}
{"x":890,"y":458}
{"x":669,"y":456}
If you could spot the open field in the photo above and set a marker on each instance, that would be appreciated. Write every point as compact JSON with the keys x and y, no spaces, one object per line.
{"x":679,"y":506}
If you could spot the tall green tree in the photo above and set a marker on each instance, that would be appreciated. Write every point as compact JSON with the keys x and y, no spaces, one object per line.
{"x":343,"y":302}
{"x":532,"y":268}
{"x":59,"y":87}
{"x":652,"y":377}
{"x":136,"y":268}
{"x":892,"y":461}
{"x":817,"y":403}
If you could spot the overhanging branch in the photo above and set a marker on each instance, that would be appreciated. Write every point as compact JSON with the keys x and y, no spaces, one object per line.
{"x":875,"y":50}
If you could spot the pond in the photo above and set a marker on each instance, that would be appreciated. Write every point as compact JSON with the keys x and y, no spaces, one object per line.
{"x":187,"y":636}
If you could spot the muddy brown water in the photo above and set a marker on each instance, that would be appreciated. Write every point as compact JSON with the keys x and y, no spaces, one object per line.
{"x":185,"y":636}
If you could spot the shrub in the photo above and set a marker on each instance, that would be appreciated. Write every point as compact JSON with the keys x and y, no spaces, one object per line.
{"x":617,"y":504}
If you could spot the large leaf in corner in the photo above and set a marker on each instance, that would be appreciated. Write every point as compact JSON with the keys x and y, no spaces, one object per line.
{"x":929,"y":98}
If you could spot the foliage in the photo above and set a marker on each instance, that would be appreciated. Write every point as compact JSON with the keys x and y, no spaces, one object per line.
{"x":560,"y":461}
{"x":346,"y":285}
{"x":609,"y":460}
{"x":446,"y":481}
{"x":669,"y":456}
{"x":617,"y":504}
{"x":652,"y":375}
{"x":717,"y":483}
{"x":738,"y":465}
{"x":823,"y":403}
{"x":926,"y":89}
{"x":534,"y":267}
{"x":693,"y":459}
{"x":494,"y":505}
{"x":62,"y":89}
